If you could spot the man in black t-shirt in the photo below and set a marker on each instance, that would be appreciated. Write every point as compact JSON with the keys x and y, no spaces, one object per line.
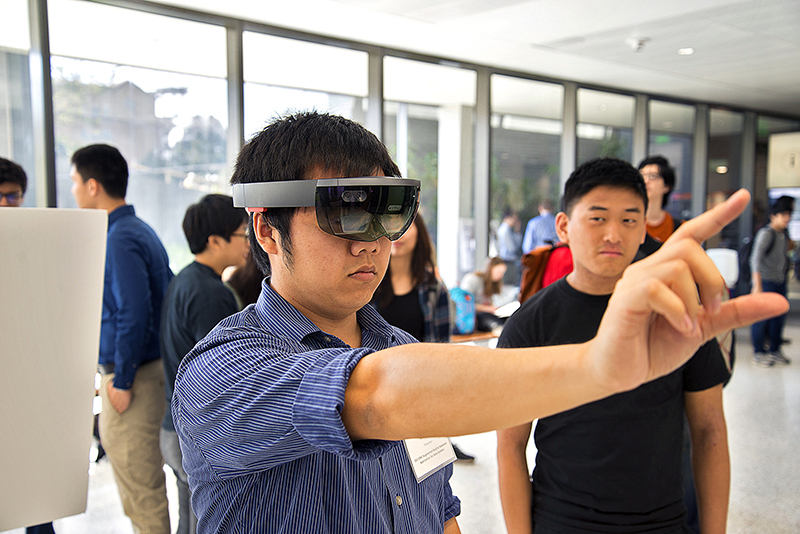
{"x":613,"y":465}
{"x":195,"y":302}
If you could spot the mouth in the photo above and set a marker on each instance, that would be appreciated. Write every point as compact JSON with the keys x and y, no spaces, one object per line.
{"x":365,"y":274}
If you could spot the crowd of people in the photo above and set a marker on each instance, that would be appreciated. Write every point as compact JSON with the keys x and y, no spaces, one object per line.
{"x":288,"y":396}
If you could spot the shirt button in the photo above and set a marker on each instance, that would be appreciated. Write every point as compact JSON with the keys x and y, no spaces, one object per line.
{"x":399,"y":500}
{"x":327,"y":339}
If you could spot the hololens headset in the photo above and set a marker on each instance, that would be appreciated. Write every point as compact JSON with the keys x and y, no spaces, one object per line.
{"x":360,"y":209}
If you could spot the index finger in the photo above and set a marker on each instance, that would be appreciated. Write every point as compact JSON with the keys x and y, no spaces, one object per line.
{"x":714,"y":220}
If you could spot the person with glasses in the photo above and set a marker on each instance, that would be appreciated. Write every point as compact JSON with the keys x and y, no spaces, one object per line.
{"x":13,"y":183}
{"x":137,"y":274}
{"x":195,"y":302}
{"x":659,"y":178}
{"x":300,"y":413}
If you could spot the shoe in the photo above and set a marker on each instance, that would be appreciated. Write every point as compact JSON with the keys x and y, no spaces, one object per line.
{"x":778,"y":357}
{"x":462,"y":456}
{"x":762,"y":359}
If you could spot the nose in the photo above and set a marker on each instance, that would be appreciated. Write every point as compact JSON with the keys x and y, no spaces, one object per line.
{"x":370,"y":247}
{"x":613,"y":233}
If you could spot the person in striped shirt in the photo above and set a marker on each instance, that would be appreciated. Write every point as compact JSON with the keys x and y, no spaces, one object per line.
{"x":291,"y":413}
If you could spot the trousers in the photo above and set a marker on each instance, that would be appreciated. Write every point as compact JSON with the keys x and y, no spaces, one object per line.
{"x":131,"y":442}
{"x":171,"y":450}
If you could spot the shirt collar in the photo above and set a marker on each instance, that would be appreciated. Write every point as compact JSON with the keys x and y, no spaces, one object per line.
{"x":122,"y":211}
{"x":278,"y":316}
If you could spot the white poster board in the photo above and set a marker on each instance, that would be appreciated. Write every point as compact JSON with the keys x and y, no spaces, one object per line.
{"x":783,"y":163}
{"x":52,"y":263}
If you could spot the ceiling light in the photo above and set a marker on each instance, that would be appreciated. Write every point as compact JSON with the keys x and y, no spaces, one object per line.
{"x":722,"y":169}
{"x":685,"y":51}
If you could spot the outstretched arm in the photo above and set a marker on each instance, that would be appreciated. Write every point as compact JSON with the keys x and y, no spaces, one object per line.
{"x":654,"y":323}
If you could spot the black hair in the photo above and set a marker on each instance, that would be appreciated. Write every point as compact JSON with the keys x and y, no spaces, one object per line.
{"x":212,"y":215}
{"x":11,"y":172}
{"x":610,"y":172}
{"x":665,"y":171}
{"x":296,"y":146}
{"x":423,"y":265}
{"x":106,"y":165}
{"x":782,"y":205}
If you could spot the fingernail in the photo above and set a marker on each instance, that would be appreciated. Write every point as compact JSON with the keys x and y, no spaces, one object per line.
{"x":688,"y":324}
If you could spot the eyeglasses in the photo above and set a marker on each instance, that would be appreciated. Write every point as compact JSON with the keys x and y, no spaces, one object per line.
{"x":12,"y":198}
{"x":359,"y":209}
{"x":241,"y":234}
{"x":651,"y":176}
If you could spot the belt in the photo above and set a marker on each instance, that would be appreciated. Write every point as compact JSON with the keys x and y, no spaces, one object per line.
{"x":105,"y":368}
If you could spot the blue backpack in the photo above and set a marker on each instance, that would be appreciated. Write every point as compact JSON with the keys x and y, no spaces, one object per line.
{"x":464,"y":316}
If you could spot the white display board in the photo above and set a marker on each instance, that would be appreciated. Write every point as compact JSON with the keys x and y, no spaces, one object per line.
{"x":783,"y":163}
{"x":51,"y":268}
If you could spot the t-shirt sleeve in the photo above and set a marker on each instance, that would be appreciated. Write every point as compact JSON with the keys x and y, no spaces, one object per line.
{"x":706,"y":368}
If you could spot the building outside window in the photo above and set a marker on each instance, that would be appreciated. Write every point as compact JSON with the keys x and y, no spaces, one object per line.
{"x":605,"y":125}
{"x":671,"y":134}
{"x":162,"y":103}
{"x":429,"y":127}
{"x":527,"y":125}
{"x":284,"y":76}
{"x":16,"y":121}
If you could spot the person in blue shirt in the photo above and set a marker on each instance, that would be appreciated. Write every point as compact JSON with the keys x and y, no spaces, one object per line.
{"x":132,"y":388}
{"x":195,"y":302}
{"x":541,"y":230}
{"x":290,"y":413}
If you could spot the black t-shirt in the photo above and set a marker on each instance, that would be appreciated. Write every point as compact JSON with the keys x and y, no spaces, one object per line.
{"x":195,"y":302}
{"x":613,"y":465}
{"x":405,"y":313}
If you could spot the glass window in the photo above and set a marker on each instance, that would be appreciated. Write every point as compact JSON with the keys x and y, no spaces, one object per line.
{"x":16,"y":121}
{"x":605,"y":125}
{"x":165,"y":108}
{"x":526,"y":145}
{"x":724,"y":168}
{"x":671,"y":130}
{"x":429,"y":129}
{"x":286,"y":75}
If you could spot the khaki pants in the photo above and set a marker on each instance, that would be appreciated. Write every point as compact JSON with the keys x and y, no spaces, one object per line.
{"x":131,"y":441}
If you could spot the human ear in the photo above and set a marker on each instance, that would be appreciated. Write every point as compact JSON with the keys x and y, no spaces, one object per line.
{"x":562,"y":226}
{"x":93,"y":187}
{"x":264,"y":233}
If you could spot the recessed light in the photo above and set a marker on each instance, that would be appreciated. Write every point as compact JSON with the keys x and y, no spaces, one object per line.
{"x":685,"y":51}
{"x":722,"y":169}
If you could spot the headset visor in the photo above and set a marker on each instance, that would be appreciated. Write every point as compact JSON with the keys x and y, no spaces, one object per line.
{"x":361,"y":209}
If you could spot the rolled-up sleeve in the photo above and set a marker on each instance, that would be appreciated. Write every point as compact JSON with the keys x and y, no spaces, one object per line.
{"x":263,"y":408}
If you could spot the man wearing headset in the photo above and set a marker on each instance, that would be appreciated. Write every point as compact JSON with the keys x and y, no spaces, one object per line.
{"x":291,"y":413}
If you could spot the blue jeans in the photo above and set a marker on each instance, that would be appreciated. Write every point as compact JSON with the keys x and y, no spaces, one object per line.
{"x":771,"y":327}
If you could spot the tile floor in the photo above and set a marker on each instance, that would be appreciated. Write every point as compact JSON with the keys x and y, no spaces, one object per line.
{"x":763,"y":414}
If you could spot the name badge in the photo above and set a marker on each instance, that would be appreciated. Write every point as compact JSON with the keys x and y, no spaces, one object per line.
{"x":428,"y":455}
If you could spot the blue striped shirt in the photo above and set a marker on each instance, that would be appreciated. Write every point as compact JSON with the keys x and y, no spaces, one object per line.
{"x":257,"y":407}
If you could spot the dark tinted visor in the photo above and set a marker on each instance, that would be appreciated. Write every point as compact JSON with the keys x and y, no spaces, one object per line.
{"x":366,"y":212}
{"x":361,"y":209}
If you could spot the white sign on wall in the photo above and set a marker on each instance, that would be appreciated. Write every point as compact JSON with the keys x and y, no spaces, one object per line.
{"x":783,"y":163}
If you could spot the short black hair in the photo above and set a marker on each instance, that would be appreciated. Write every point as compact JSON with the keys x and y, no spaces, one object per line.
{"x":106,"y":165}
{"x":665,"y":171}
{"x":293,"y":148}
{"x":610,"y":172}
{"x":11,"y":172}
{"x":211,"y":215}
{"x":782,"y":205}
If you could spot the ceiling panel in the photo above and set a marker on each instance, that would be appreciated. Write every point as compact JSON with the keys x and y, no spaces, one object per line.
{"x":746,"y":50}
